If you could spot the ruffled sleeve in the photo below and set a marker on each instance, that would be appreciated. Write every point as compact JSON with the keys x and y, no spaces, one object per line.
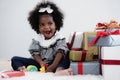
{"x":34,"y":47}
{"x":61,"y":46}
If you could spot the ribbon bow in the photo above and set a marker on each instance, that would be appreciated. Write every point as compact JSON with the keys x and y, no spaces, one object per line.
{"x":48,"y":9}
{"x":102,"y":34}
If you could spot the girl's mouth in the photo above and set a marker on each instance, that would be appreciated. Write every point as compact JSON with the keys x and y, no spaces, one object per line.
{"x":47,"y":32}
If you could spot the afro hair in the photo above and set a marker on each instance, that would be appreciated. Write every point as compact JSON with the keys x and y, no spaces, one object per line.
{"x":35,"y":14}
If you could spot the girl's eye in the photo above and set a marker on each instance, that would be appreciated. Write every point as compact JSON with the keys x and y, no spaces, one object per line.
{"x":50,"y":23}
{"x":41,"y":24}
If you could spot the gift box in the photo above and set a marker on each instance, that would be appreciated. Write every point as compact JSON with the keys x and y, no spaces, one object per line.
{"x":111,"y":40}
{"x":85,"y":67}
{"x":10,"y":74}
{"x":75,"y":41}
{"x":80,"y":56}
{"x":86,"y":40}
{"x":85,"y":55}
{"x":106,"y":39}
{"x":110,"y":62}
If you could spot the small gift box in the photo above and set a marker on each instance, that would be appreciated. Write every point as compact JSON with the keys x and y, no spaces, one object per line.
{"x":80,"y":56}
{"x":110,"y":62}
{"x":85,"y":55}
{"x":10,"y":74}
{"x":85,"y":67}
{"x":86,"y":40}
{"x":75,"y":41}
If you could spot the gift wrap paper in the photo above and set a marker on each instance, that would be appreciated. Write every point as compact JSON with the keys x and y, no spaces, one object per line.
{"x":80,"y":56}
{"x":85,"y":55}
{"x":86,"y":36}
{"x":85,"y":67}
{"x":75,"y":40}
{"x":110,"y":63}
{"x":111,"y":40}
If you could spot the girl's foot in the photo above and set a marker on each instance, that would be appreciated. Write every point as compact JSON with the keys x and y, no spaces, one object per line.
{"x":66,"y":72}
{"x":22,"y":68}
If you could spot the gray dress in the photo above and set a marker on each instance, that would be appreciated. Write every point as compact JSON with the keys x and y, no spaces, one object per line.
{"x":48,"y":53}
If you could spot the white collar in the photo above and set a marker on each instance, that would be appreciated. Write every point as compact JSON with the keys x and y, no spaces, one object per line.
{"x":47,"y":43}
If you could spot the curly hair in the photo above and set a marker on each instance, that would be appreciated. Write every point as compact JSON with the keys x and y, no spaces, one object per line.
{"x":35,"y":14}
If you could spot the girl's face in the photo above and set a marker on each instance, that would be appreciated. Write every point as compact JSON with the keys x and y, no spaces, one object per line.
{"x":47,"y":26}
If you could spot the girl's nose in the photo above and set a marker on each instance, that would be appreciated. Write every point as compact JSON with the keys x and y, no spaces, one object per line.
{"x":47,"y":27}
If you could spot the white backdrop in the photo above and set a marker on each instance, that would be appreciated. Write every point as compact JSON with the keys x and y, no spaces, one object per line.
{"x":80,"y":15}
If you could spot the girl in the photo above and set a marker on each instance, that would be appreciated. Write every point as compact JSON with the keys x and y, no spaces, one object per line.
{"x":49,"y":47}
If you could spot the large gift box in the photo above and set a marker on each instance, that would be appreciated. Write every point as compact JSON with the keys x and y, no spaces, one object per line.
{"x":75,"y":40}
{"x":110,"y":62}
{"x":85,"y":55}
{"x":85,"y":67}
{"x":106,"y":39}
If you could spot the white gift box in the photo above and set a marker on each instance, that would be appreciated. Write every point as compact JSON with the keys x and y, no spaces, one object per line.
{"x":110,"y":62}
{"x":75,"y":40}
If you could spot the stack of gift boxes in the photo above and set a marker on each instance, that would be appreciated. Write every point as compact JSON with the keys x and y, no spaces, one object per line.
{"x":84,"y":59}
{"x":108,"y":39}
{"x":97,"y":52}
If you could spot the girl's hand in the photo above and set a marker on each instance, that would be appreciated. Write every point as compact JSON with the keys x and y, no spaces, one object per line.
{"x":42,"y":63}
{"x":50,"y":68}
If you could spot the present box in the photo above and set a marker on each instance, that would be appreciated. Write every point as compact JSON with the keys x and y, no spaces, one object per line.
{"x":86,"y":36}
{"x":80,"y":56}
{"x":75,"y":41}
{"x":85,"y":55}
{"x":106,"y":39}
{"x":10,"y":74}
{"x":111,"y":40}
{"x":110,"y":62}
{"x":85,"y":67}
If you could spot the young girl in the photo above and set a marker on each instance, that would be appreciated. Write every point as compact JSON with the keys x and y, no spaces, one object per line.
{"x":49,"y":47}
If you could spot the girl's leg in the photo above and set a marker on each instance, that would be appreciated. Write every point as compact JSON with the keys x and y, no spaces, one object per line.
{"x":63,"y":68}
{"x":21,"y":63}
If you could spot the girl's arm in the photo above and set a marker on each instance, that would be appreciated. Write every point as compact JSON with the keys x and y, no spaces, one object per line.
{"x":57,"y":59}
{"x":38,"y":59}
{"x":34,"y":51}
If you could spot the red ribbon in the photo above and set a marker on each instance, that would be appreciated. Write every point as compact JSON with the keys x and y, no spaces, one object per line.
{"x":83,"y":55}
{"x":80,"y":68}
{"x":103,"y":34}
{"x":76,"y":49}
{"x":110,"y":62}
{"x":72,"y":41}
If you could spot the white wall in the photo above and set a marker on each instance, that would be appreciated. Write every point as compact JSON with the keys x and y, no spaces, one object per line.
{"x":80,"y":15}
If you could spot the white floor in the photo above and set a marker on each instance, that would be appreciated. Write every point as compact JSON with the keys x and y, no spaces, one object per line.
{"x":50,"y":76}
{"x":6,"y":65}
